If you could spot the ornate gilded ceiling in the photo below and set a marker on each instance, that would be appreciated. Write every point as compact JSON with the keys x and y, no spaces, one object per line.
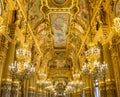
{"x":59,"y":31}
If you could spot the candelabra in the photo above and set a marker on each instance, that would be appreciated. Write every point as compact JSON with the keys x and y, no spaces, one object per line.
{"x":74,"y":85}
{"x":116,"y":25}
{"x":93,"y":68}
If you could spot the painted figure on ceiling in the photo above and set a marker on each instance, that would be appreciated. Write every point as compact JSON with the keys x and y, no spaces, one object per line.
{"x":59,"y":24}
{"x":83,"y":15}
{"x":59,"y":28}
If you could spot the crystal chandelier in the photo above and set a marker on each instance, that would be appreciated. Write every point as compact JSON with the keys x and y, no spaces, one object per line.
{"x":47,"y":85}
{"x":92,"y":53}
{"x":22,"y":69}
{"x":42,"y":76}
{"x":50,"y":88}
{"x":76,"y":76}
{"x":93,"y":68}
{"x":23,"y":54}
{"x":116,"y":25}
{"x":68,"y":89}
{"x":76,"y":84}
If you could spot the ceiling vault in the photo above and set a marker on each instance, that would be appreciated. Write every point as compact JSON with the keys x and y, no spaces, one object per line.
{"x":60,"y":39}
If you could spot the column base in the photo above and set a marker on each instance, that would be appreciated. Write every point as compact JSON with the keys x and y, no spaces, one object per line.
{"x":6,"y":87}
{"x":110,"y":88}
{"x":31,"y":92}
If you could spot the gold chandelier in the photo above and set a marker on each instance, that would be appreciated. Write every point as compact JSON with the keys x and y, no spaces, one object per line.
{"x":22,"y":68}
{"x":93,"y":68}
{"x":74,"y":84}
{"x":76,"y":76}
{"x":23,"y":54}
{"x":92,"y":53}
{"x":68,"y":89}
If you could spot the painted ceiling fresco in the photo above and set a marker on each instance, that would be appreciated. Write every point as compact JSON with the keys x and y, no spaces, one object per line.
{"x":59,"y":25}
{"x":83,"y":15}
{"x":118,"y":8}
{"x":34,"y":12}
{"x":58,"y":64}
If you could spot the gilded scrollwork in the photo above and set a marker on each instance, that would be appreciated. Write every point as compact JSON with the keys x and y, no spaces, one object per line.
{"x":58,"y":33}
